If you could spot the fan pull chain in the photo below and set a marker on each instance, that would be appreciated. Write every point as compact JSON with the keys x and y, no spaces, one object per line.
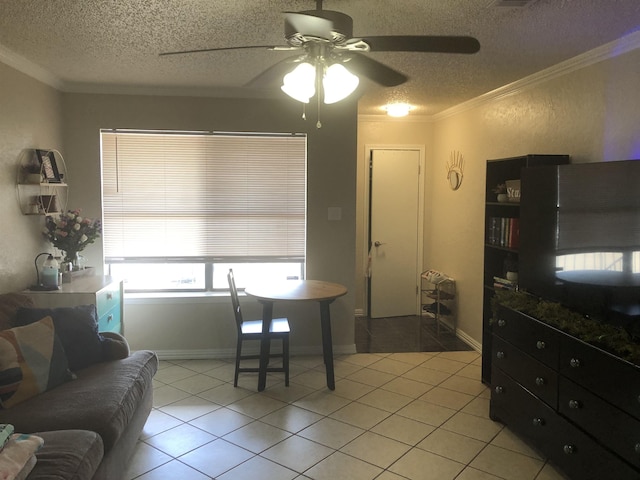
{"x":319,"y":91}
{"x":304,"y":111}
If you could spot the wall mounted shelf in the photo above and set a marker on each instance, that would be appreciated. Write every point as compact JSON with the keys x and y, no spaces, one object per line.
{"x":41,"y":182}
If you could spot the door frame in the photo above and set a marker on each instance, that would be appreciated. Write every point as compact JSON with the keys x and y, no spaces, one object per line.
{"x":365,"y":201}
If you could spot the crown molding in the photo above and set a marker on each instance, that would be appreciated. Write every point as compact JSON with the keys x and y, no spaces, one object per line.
{"x":12,"y":59}
{"x":610,"y":50}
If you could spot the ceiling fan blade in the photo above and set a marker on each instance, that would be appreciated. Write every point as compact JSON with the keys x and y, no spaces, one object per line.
{"x":201,"y":50}
{"x":422,"y":43}
{"x":272,"y":76}
{"x":307,"y":24}
{"x":378,"y":72}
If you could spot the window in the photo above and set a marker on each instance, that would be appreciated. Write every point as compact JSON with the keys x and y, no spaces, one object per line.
{"x":181,"y":208}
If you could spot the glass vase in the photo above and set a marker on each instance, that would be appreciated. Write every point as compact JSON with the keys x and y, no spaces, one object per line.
{"x":71,"y":260}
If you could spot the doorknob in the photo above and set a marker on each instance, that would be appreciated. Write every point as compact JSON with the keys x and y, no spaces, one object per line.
{"x":377,"y":244}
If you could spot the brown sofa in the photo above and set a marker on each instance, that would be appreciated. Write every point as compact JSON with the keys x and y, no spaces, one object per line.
{"x":90,"y":424}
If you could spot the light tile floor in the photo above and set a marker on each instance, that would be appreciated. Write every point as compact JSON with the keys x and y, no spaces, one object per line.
{"x":392,"y":416}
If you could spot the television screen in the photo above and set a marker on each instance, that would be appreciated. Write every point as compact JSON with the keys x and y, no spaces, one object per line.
{"x":580,"y":237}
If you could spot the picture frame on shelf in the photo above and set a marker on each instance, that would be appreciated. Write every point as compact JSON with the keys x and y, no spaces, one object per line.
{"x":47,"y":160}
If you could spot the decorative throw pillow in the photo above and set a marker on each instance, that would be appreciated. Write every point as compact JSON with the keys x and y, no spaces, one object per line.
{"x":32,"y":360}
{"x":77,"y":328}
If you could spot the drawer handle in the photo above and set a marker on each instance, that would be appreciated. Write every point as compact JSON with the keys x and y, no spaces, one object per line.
{"x":501,"y":322}
{"x":574,"y":363}
{"x":569,"y":449}
{"x":538,"y":422}
{"x":499,"y":389}
{"x":500,"y":355}
{"x":109,"y":318}
{"x":540,"y":345}
{"x":540,"y":381}
{"x":109,"y":296}
{"x":575,"y":404}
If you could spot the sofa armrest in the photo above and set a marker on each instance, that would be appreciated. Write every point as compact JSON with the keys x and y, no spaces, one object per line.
{"x":114,"y":346}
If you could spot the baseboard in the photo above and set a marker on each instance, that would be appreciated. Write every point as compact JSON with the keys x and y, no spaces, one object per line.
{"x":469,"y":341}
{"x":229,"y":353}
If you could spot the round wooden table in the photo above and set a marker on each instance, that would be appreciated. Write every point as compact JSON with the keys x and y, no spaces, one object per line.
{"x":297,"y":291}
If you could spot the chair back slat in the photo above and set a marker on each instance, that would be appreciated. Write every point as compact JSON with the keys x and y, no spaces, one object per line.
{"x":234,"y":299}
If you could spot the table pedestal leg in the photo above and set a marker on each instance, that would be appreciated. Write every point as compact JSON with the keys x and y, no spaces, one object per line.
{"x":327,"y":344}
{"x":265,"y":345}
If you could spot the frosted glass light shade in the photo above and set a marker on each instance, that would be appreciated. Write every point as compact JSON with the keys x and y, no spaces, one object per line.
{"x":398,"y":109}
{"x":338,"y":83}
{"x":299,"y":84}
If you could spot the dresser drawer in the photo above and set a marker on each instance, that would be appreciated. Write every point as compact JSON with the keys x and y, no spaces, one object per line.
{"x":614,"y":428}
{"x":607,"y":376}
{"x":111,"y":321}
{"x":514,"y":406}
{"x":536,"y":377}
{"x":529,"y":335}
{"x":108,"y":298}
{"x":577,"y":454}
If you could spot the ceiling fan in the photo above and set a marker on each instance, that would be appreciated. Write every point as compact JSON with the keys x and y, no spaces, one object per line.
{"x":330,"y":59}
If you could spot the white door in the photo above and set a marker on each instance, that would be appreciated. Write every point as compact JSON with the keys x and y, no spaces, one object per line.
{"x":394,"y":209}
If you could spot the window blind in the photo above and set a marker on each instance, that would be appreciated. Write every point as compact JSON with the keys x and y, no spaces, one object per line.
{"x":204,"y":195}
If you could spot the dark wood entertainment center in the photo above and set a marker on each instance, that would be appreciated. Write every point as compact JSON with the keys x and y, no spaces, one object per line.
{"x":575,"y":403}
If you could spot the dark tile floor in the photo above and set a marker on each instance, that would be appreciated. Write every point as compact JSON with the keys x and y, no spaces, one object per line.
{"x":404,"y":334}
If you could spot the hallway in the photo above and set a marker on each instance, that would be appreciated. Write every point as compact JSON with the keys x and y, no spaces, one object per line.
{"x":404,"y":334}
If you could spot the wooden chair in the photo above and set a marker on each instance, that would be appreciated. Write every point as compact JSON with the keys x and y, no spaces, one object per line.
{"x":252,"y":330}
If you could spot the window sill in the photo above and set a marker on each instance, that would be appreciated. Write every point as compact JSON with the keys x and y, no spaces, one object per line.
{"x":176,"y":297}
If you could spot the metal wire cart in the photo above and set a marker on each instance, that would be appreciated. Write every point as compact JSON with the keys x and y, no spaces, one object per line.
{"x":438,"y":299}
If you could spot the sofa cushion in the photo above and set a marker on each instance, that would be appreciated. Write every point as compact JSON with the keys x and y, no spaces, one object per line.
{"x":68,"y":455}
{"x":77,"y":328}
{"x":103,"y":399}
{"x":9,"y":304}
{"x":32,"y":361}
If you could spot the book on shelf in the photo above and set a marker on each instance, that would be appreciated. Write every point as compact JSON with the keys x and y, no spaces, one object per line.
{"x":503,"y":283}
{"x":504,"y":232}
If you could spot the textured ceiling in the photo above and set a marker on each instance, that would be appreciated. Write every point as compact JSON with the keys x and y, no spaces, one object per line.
{"x":109,"y":46}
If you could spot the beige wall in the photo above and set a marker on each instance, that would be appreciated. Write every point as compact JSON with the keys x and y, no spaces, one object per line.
{"x":381,"y":131}
{"x":592,"y":114}
{"x":30,"y":115}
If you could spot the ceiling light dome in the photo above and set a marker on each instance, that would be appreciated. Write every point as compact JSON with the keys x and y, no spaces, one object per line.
{"x":398,"y":109}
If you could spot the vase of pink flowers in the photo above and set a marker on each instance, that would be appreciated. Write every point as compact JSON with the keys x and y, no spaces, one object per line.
{"x":71,"y":233}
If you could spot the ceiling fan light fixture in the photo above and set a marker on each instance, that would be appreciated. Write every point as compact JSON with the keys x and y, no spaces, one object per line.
{"x":398,"y":109}
{"x":338,"y":83}
{"x":299,"y":84}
